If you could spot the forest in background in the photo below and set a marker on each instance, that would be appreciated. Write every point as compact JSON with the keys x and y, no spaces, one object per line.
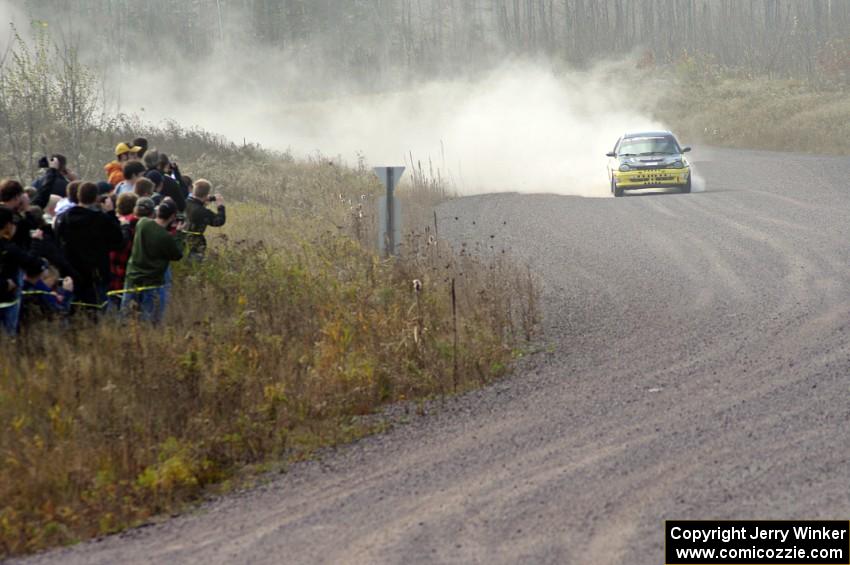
{"x":379,"y":42}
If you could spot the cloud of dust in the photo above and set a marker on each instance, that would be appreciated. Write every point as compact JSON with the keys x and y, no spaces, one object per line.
{"x":521,"y":127}
{"x":697,"y":180}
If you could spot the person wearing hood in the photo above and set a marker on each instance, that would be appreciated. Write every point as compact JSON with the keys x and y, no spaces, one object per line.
{"x":115,"y":169}
{"x":158,"y":181}
{"x":159,"y":163}
{"x":88,"y":232}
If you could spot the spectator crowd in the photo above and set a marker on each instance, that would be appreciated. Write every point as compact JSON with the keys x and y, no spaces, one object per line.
{"x":71,"y":247}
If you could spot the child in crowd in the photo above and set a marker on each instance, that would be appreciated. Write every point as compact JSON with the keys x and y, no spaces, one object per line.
{"x":46,"y":295}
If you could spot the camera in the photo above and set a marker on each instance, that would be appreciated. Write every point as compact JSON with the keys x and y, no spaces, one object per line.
{"x":44,"y":162}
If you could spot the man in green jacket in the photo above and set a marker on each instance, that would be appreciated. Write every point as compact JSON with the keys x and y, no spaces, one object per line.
{"x":153,"y":249}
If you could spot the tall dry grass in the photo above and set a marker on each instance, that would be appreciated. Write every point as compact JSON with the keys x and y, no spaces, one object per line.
{"x":291,"y":330}
{"x":759,"y":113}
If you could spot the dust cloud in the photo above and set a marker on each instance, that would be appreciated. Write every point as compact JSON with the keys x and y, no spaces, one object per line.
{"x":521,"y":127}
{"x":697,"y":180}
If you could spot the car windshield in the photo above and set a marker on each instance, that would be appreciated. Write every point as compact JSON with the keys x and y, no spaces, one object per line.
{"x":646,"y":146}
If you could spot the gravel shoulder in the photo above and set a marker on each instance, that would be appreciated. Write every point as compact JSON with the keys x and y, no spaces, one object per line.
{"x":698,"y":369}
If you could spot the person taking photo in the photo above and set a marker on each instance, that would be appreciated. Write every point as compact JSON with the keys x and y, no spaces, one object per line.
{"x":54,"y":180}
{"x":199,"y":217}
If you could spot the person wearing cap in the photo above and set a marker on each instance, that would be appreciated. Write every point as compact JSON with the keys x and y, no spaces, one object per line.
{"x":145,"y":208}
{"x":13,"y":262}
{"x":115,"y":169}
{"x":141,"y":144}
{"x":154,"y":248}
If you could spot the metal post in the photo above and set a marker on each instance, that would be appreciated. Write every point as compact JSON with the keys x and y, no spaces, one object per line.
{"x":390,"y":212}
{"x":389,"y":241}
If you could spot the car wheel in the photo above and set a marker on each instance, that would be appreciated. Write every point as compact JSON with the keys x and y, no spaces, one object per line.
{"x":617,"y":191}
{"x":686,"y":189}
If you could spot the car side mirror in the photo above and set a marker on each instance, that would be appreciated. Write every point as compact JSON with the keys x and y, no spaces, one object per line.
{"x":612,"y":154}
{"x":686,"y":149}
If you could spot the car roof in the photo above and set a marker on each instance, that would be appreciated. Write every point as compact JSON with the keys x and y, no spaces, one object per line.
{"x":647,"y":134}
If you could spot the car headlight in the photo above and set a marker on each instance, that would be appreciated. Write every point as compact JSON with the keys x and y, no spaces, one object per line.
{"x":677,"y":165}
{"x":624,"y":168}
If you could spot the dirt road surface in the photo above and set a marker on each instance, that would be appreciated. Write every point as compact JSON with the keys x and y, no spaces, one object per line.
{"x":700,"y":368}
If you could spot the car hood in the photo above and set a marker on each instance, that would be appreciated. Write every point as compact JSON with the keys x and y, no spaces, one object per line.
{"x":651,"y":160}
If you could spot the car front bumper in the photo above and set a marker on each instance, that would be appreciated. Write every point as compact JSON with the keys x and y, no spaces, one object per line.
{"x":654,"y":178}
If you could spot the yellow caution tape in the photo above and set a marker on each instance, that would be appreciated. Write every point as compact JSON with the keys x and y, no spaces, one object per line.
{"x":132,"y":290}
{"x":95,"y":306}
{"x":35,"y":292}
{"x":115,"y":293}
{"x":85,"y":304}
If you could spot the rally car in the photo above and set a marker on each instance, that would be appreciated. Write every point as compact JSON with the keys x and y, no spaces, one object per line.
{"x":648,"y":159}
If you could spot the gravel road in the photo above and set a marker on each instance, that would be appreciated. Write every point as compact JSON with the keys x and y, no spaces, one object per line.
{"x":699,"y":369}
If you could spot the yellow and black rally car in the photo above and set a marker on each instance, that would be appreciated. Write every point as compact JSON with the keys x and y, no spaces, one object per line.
{"x":649,"y":159}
